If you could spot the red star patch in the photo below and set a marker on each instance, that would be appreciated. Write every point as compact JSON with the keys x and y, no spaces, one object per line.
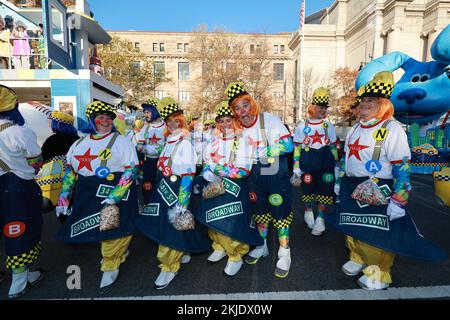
{"x":355,"y":148}
{"x":253,"y":143}
{"x":161,"y":161}
{"x":317,"y":138}
{"x":216,"y":157}
{"x":154,"y":139}
{"x":85,"y":160}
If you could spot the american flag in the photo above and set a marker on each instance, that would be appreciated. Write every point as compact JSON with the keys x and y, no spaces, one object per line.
{"x":302,"y":15}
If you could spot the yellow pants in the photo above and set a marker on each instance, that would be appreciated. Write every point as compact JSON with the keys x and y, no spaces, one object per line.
{"x":170,"y":259}
{"x":113,"y":252}
{"x":378,"y":261}
{"x":234,"y":249}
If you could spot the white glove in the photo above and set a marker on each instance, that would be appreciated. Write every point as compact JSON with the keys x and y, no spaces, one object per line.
{"x":209,"y":176}
{"x":61,"y":210}
{"x":108,"y":201}
{"x":151,"y":150}
{"x":337,"y":188}
{"x":395,"y":212}
{"x":298,"y":172}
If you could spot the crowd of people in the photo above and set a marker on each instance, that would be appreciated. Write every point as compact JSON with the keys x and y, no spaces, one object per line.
{"x":21,"y":48}
{"x":238,"y":163}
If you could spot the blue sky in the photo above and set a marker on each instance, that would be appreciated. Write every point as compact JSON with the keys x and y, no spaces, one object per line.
{"x":241,"y":16}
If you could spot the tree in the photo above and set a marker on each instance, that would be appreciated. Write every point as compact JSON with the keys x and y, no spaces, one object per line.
{"x":343,"y":94}
{"x":224,"y":60}
{"x":131,"y":69}
{"x":311,"y":81}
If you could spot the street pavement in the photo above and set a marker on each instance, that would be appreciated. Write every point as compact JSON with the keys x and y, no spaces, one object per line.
{"x":315,"y":270}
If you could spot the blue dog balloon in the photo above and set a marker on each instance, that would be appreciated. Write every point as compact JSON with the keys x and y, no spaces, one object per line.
{"x":423,"y":93}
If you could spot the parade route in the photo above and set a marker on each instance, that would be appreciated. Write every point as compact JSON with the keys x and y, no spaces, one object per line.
{"x":315,"y":271}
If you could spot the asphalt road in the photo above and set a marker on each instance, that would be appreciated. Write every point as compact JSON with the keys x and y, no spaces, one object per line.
{"x":316,"y":262}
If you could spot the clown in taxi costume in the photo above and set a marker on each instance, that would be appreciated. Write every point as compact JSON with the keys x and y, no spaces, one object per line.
{"x":267,"y":142}
{"x":102,"y":169}
{"x":376,"y":148}
{"x":173,"y":187}
{"x":20,"y":196}
{"x":228,"y":216}
{"x":151,"y":142}
{"x":315,"y":157}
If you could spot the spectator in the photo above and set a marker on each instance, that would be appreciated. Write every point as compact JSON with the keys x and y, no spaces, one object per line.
{"x":4,"y":45}
{"x":21,"y":47}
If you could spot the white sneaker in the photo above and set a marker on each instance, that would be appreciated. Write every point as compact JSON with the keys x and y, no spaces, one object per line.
{"x":107,"y":281}
{"x":370,"y":284}
{"x":254,"y":255}
{"x":164,"y":280}
{"x":283,"y":263}
{"x":19,"y":285}
{"x":351,"y":268}
{"x":186,"y":258}
{"x":319,"y":227}
{"x":309,"y":219}
{"x":233,"y":268}
{"x":216,"y":256}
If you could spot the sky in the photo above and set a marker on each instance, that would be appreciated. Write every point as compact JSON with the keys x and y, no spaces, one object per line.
{"x":240,"y":16}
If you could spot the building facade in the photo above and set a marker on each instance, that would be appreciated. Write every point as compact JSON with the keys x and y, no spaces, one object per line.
{"x":349,"y":33}
{"x":170,"y":51}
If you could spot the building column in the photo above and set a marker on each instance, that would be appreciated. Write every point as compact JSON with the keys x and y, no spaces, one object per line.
{"x":394,"y":38}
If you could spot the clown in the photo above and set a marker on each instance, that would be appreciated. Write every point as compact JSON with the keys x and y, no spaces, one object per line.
{"x":20,"y":196}
{"x":175,"y":175}
{"x":267,"y":142}
{"x":151,"y":142}
{"x":421,"y":100}
{"x":377,"y":162}
{"x":314,"y":160}
{"x":225,"y":158}
{"x":102,"y":169}
{"x":54,"y":152}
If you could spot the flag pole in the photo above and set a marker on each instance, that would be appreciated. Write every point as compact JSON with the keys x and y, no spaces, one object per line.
{"x":302,"y":43}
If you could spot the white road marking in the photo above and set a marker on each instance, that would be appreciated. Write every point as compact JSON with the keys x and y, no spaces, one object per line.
{"x":356,"y":294}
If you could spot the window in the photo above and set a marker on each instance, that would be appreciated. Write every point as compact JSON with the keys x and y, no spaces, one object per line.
{"x":278,"y":71}
{"x":231,"y":68}
{"x":179,"y":47}
{"x":275,"y":49}
{"x":186,"y":47}
{"x":278,"y":96}
{"x":252,"y":48}
{"x":58,"y":25}
{"x":183,"y":70}
{"x":135,"y":66}
{"x":282,"y":49}
{"x":160,"y":94}
{"x":255,"y":69}
{"x":206,"y":70}
{"x":161,"y":47}
{"x":183,"y":96}
{"x":155,"y":47}
{"x":137,"y":45}
{"x":159,"y":68}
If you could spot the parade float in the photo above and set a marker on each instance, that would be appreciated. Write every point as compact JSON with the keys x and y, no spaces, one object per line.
{"x":421,"y":99}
